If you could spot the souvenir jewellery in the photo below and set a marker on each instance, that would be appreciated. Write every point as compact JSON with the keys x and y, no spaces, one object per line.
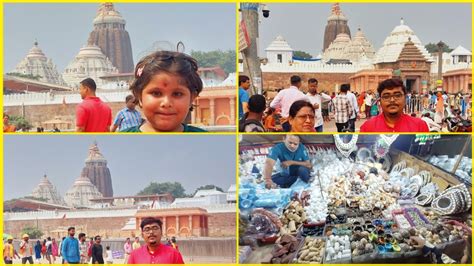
{"x":389,"y":139}
{"x":424,"y":199}
{"x":346,"y":148}
{"x":363,"y":154}
{"x":453,"y":200}
{"x":386,"y":162}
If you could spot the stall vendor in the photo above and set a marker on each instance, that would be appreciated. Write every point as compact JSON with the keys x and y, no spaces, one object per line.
{"x":294,"y":162}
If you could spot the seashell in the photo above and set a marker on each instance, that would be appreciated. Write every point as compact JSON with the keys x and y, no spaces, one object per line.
{"x":368,"y":247}
{"x":396,"y":188}
{"x":328,"y":244}
{"x":405,"y":234}
{"x":354,"y":245}
{"x":356,"y":252}
{"x":365,"y":234}
{"x":363,"y":241}
{"x":404,"y":247}
{"x":330,"y":251}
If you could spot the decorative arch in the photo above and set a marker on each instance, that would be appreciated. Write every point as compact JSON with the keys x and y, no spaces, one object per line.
{"x":223,"y":120}
{"x":184,"y":231}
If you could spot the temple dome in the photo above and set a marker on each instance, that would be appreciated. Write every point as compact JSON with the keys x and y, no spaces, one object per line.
{"x":360,"y":47}
{"x":97,"y":171}
{"x":107,"y":14}
{"x":336,"y":49}
{"x":395,"y":42}
{"x":90,"y":62}
{"x":36,"y":63}
{"x":95,"y":155}
{"x":336,"y":24}
{"x":46,"y":190}
{"x":279,"y":44}
{"x":82,"y":191}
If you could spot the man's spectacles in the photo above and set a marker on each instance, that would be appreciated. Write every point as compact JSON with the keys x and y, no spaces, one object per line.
{"x":388,"y":97}
{"x":148,"y":230}
{"x":305,"y":117}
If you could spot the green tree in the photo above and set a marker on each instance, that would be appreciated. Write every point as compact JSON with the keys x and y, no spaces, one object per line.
{"x":174,"y":188}
{"x":208,"y":187}
{"x":33,"y":233}
{"x":35,"y":198}
{"x":20,"y":123}
{"x":28,"y":76}
{"x":433,"y":48}
{"x":224,"y":59}
{"x":302,"y":54}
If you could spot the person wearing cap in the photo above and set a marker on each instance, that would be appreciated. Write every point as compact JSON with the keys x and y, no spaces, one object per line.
{"x":26,"y":250}
{"x":9,"y":252}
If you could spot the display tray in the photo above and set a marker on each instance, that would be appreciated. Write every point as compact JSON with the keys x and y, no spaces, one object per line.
{"x":302,"y":246}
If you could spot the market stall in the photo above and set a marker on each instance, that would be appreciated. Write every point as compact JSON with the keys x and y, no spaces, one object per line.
{"x":370,"y":199}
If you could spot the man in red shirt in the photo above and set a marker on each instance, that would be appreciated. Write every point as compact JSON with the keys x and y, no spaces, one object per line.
{"x":153,"y":252}
{"x":92,"y":115}
{"x":392,"y":119}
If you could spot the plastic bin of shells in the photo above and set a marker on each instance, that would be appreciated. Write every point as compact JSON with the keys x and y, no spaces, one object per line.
{"x":337,"y":216}
{"x":338,"y":249}
{"x":312,"y":229}
{"x":292,"y":218}
{"x":312,"y":251}
{"x":285,"y":250}
{"x":338,"y":246}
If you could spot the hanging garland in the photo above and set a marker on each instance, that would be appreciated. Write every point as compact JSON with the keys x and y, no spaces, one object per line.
{"x":346,"y":148}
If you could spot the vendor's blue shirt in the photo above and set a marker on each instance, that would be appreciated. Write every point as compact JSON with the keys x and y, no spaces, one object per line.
{"x":243,"y":98}
{"x":280,"y":152}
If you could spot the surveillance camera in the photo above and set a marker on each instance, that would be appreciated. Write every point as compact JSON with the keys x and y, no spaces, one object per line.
{"x":265,"y":11}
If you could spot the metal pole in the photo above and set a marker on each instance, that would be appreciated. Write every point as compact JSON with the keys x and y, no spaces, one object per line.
{"x":249,"y":13}
{"x":468,"y":140}
{"x":440,"y":60}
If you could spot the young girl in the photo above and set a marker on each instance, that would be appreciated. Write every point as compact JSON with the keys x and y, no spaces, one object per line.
{"x":166,"y":84}
{"x":109,"y":259}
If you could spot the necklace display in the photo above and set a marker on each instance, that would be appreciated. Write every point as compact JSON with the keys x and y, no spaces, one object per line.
{"x":382,"y":145}
{"x":346,"y":148}
{"x":389,"y":139}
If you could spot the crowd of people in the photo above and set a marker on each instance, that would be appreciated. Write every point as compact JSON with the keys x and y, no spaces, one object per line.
{"x":72,"y":250}
{"x":165,"y":86}
{"x":392,"y":108}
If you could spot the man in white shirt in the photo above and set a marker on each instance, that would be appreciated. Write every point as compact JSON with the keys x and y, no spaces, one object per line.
{"x":353,"y":100}
{"x":432,"y":126}
{"x":316,"y":99}
{"x":286,"y":97}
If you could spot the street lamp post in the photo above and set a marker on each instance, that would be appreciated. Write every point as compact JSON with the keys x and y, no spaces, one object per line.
{"x":251,"y":61}
{"x":440,"y":59}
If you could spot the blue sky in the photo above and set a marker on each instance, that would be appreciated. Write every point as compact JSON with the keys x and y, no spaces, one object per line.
{"x":62,"y":29}
{"x":134,"y":161}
